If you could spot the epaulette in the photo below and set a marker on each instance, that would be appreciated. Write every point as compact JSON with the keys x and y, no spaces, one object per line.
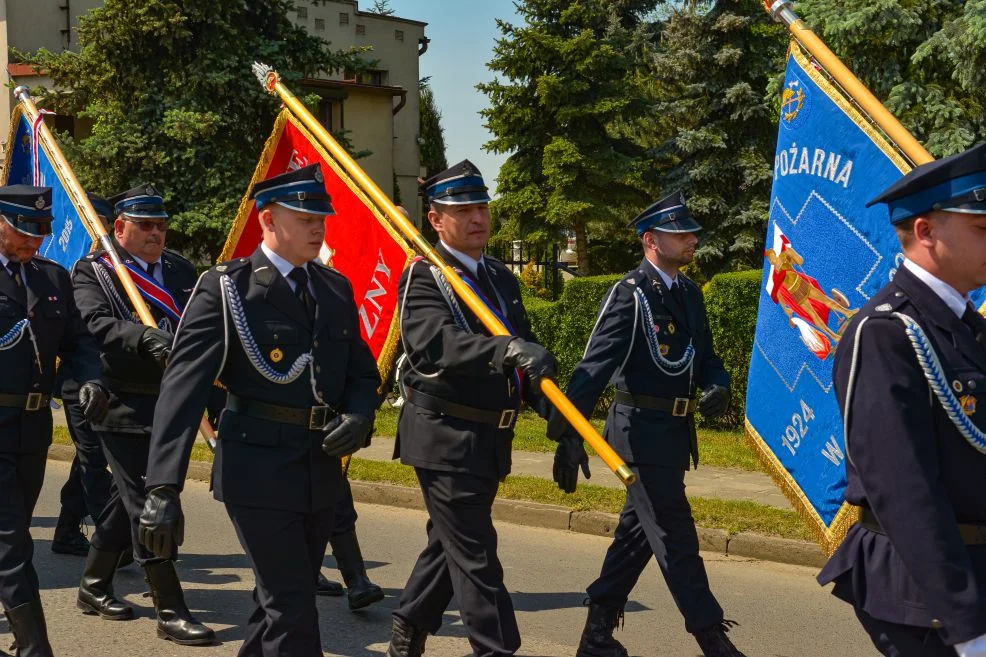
{"x":92,"y":255}
{"x":490,"y":258}
{"x":634,"y":278}
{"x":331,"y":271}
{"x":890,"y":303}
{"x":179,"y":256}
{"x":41,"y":260}
{"x":689,"y":281}
{"x":230,"y":265}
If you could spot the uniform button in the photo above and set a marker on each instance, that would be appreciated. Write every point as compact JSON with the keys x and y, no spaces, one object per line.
{"x":243,"y":435}
{"x":898,"y":294}
{"x":972,"y":385}
{"x":345,"y":331}
{"x":315,"y":343}
{"x":936,"y":624}
{"x":275,"y":336}
{"x":318,"y":368}
{"x":30,"y":315}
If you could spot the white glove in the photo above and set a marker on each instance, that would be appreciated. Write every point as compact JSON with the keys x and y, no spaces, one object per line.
{"x":974,"y":648}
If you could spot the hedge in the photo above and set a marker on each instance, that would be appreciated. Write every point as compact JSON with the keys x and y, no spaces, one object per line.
{"x":731,"y":301}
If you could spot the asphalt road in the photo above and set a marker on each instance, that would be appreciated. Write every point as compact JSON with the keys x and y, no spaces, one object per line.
{"x":781,"y":610}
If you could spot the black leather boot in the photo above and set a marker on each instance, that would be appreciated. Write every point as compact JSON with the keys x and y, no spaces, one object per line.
{"x":406,"y":640}
{"x":714,"y":642}
{"x":325,"y":586}
{"x":68,"y":538}
{"x":174,"y":620}
{"x":27,"y":623}
{"x":597,"y":637}
{"x":362,"y":592}
{"x":96,"y":588}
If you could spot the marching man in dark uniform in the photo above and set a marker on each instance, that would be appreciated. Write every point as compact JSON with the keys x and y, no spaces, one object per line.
{"x":39,"y":321}
{"x":463,"y":390}
{"x":908,"y":374}
{"x":281,"y":332}
{"x":89,"y":483}
{"x":134,"y":358}
{"x":652,"y":340}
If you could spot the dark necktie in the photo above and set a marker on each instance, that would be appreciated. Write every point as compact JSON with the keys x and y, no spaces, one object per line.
{"x":150,"y":268}
{"x":14,"y":269}
{"x":300,"y":276}
{"x":976,"y":322}
{"x":485,"y":284}
{"x":678,"y":293}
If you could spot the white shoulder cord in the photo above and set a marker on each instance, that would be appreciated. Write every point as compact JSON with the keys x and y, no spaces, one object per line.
{"x":850,"y":386}
{"x":410,"y":361}
{"x":668,"y":367}
{"x":105,"y":282}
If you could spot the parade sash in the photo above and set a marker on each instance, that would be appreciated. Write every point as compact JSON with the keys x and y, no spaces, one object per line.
{"x":28,"y":162}
{"x":826,"y":255}
{"x":360,"y":243}
{"x":149,"y":288}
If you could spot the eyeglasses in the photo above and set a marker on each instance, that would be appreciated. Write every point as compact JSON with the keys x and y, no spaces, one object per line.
{"x":148,"y":226}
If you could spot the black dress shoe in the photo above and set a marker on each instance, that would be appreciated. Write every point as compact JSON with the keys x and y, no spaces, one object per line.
{"x":69,"y":539}
{"x":360,"y":590}
{"x":325,"y":586}
{"x":174,"y":620}
{"x":96,"y":589}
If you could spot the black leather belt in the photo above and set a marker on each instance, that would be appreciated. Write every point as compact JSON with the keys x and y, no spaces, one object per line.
{"x":32,"y":401}
{"x":500,"y":419}
{"x":676,"y":406}
{"x":131,"y":388}
{"x":971,"y":534}
{"x":313,"y":417}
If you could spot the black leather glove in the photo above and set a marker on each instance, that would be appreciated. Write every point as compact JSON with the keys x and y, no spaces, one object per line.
{"x":569,"y":457}
{"x":534,"y":360}
{"x":162,"y":523}
{"x":155,"y":345}
{"x":558,"y":426}
{"x":347,"y":433}
{"x":94,"y":401}
{"x":714,"y":401}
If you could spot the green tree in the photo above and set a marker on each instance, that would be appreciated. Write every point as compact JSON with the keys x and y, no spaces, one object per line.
{"x":168,"y":87}
{"x":925,"y":58}
{"x":561,"y":92}
{"x":381,"y":7}
{"x":431,"y":137}
{"x":715,"y":127}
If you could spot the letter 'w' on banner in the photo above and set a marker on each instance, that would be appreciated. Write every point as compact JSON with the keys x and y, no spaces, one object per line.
{"x":359,"y":242}
{"x":826,"y":255}
{"x":28,"y":162}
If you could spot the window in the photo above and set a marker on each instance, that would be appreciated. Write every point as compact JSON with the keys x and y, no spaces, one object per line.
{"x":302,"y":11}
{"x":360,"y":29}
{"x":399,"y":35}
{"x":319,"y":23}
{"x":343,"y":18}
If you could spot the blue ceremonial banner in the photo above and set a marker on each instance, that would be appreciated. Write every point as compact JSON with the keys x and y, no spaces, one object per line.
{"x":27,"y":162}
{"x":826,"y":254}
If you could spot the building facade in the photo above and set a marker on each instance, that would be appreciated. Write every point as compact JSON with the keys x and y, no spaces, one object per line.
{"x":377,"y":109}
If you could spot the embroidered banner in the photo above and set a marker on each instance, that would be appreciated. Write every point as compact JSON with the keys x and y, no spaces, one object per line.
{"x":28,"y":163}
{"x":359,"y":240}
{"x":826,"y":255}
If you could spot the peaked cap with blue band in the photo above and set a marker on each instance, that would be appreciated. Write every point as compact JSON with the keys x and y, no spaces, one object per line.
{"x":953,"y":184}
{"x":100,"y":205}
{"x":302,"y":190}
{"x":141,"y":202}
{"x":460,"y":184}
{"x":27,"y":208}
{"x":669,"y":215}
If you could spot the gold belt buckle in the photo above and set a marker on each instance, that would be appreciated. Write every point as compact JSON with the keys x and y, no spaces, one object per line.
{"x":33,"y":401}
{"x":680,"y":408}
{"x":506,"y":418}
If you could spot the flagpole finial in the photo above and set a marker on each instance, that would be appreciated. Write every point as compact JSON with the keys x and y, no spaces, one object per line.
{"x":22,"y":92}
{"x":782,"y":11}
{"x":267,"y":76}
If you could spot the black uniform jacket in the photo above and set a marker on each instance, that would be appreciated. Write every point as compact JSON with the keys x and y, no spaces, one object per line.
{"x":118,"y":333}
{"x":463,"y":367}
{"x":907,"y":461}
{"x":259,"y":462}
{"x":618,"y":352}
{"x":58,"y":331}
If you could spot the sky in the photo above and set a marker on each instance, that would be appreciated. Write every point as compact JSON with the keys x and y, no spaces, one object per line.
{"x":462,"y":37}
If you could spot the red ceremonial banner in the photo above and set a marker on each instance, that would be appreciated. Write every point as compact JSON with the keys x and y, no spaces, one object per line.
{"x":359,"y":241}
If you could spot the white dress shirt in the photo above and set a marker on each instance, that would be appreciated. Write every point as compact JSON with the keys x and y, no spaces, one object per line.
{"x":285,"y":268}
{"x":158,"y":268}
{"x":668,"y":280}
{"x":952,"y":298}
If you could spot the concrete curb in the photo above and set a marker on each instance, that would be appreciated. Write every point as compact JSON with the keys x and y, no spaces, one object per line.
{"x":550,"y":516}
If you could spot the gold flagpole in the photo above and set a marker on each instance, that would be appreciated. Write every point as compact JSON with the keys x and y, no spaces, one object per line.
{"x":272,"y":83}
{"x":81,"y":201}
{"x":783,"y":12}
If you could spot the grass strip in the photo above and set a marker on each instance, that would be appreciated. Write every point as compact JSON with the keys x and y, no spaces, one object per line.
{"x":726,"y":449}
{"x":733,"y":516}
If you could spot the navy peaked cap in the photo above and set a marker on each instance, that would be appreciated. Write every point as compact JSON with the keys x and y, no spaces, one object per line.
{"x":27,"y":208}
{"x":669,"y":215}
{"x":955,"y":184}
{"x":302,"y":190}
{"x":460,"y":184}
{"x":141,"y":202}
